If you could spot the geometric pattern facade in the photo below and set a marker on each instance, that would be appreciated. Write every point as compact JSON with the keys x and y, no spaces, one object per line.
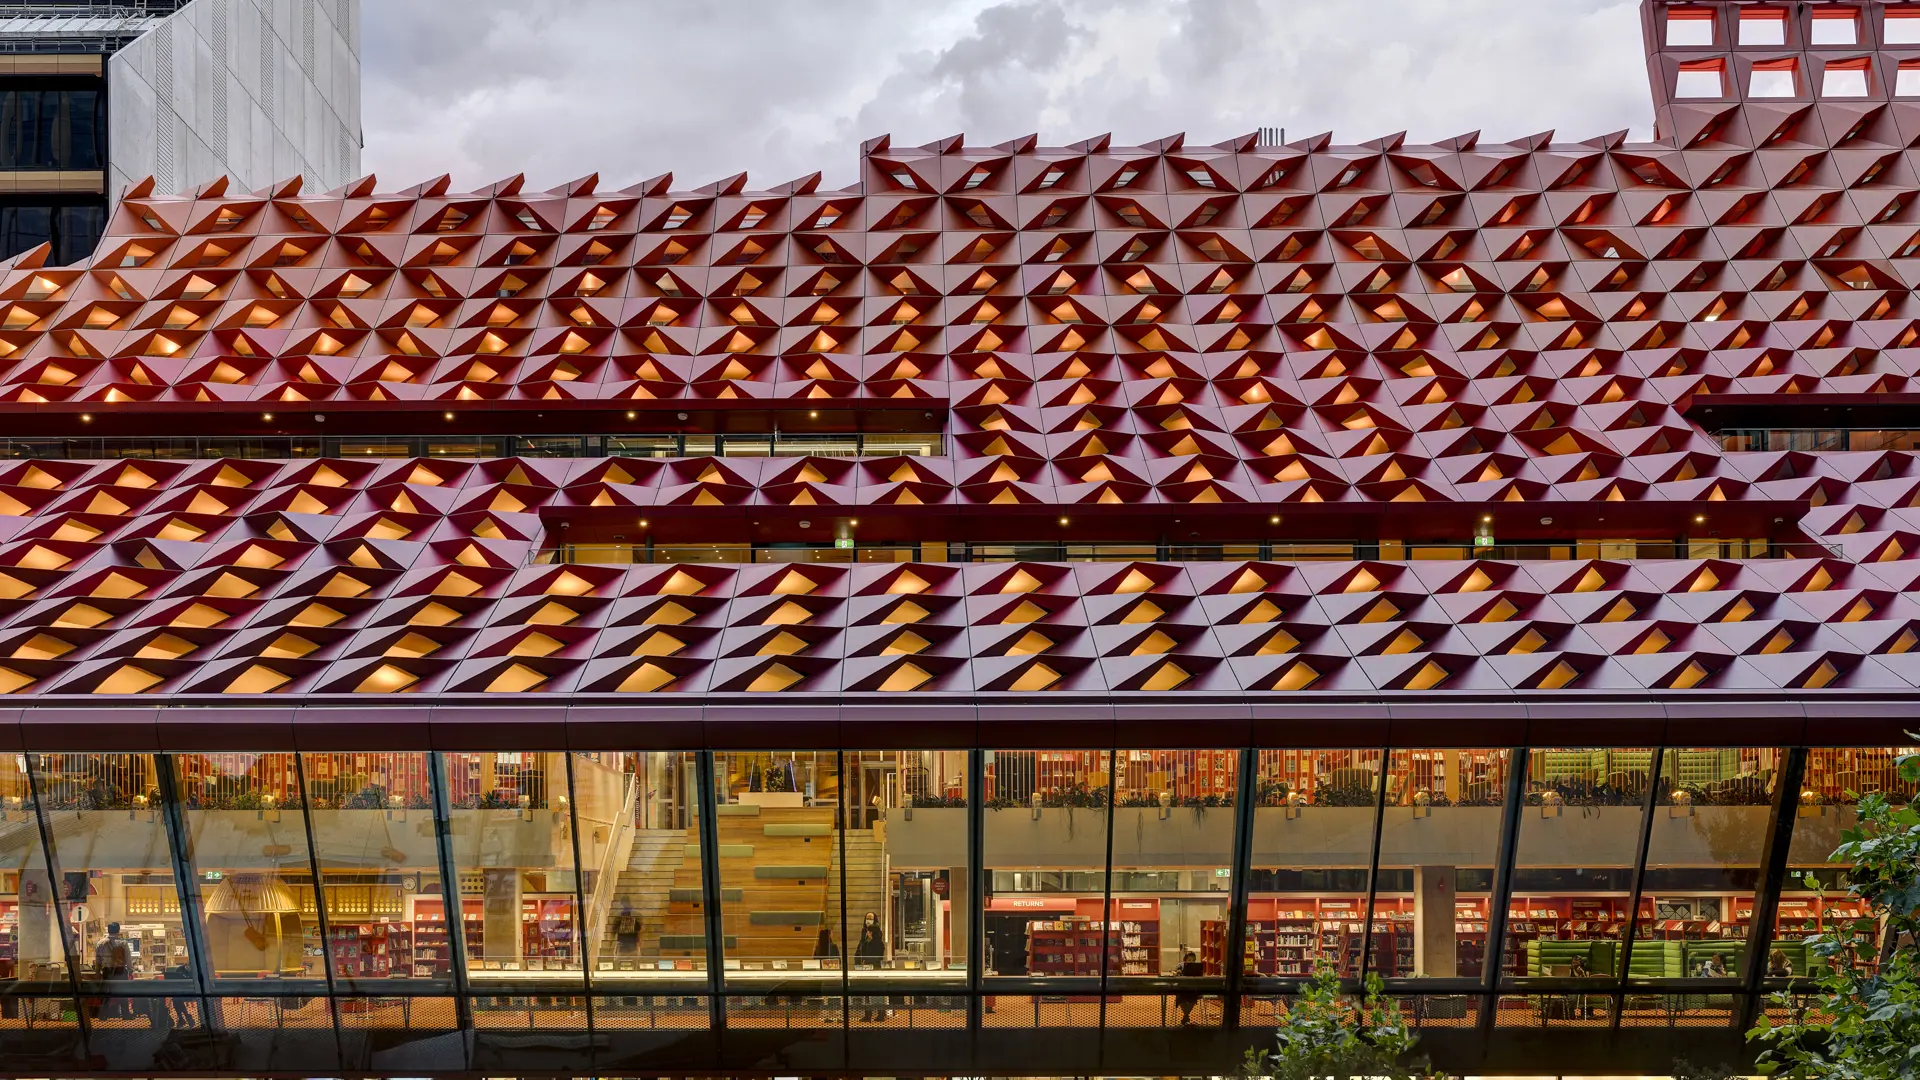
{"x":1399,"y":341}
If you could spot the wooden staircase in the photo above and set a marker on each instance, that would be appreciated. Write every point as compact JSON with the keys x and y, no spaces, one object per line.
{"x":866,"y":885}
{"x":779,"y":883}
{"x":646,"y":883}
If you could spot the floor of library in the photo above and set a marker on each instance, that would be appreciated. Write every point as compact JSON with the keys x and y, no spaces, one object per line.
{"x":1137,"y":1011}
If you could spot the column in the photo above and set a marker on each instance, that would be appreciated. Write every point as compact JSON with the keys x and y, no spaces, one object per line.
{"x":1436,"y":951}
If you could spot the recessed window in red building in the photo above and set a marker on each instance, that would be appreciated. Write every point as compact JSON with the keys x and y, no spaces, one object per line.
{"x":1835,"y":26}
{"x":1689,"y":27}
{"x":1773,"y":79}
{"x":1846,"y":78}
{"x":1705,"y":79}
{"x":1763,"y":26}
{"x":1907,"y":80}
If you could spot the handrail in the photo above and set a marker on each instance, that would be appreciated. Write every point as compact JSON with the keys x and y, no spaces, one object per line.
{"x":607,"y":877}
{"x":1814,"y":440}
{"x":623,"y":554}
{"x":636,"y":444}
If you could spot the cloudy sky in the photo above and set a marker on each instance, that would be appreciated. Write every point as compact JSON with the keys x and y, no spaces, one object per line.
{"x":633,"y":88}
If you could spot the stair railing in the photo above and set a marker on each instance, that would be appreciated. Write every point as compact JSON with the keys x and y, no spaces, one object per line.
{"x":619,"y":849}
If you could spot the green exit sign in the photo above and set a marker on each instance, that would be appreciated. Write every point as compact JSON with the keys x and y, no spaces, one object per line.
{"x":843,"y":542}
{"x":1482,"y":541}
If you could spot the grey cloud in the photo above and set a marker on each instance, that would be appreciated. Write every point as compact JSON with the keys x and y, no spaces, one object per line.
{"x":631,"y":88}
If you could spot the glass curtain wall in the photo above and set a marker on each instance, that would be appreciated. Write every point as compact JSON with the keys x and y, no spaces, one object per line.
{"x":345,"y":907}
{"x":783,"y":872}
{"x":1044,"y":844}
{"x":1573,"y":880}
{"x":644,"y":924}
{"x":1813,"y":898}
{"x":1173,"y":844}
{"x":1311,"y":868}
{"x":910,"y":835}
{"x":1707,"y":838}
{"x":35,"y":952}
{"x":1440,"y":848}
{"x":510,"y":825}
{"x":250,"y":882}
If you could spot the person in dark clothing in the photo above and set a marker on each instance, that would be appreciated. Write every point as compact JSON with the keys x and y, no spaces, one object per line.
{"x":1188,"y":999}
{"x":179,"y":1008}
{"x":869,"y":955}
{"x":626,"y":928}
{"x":112,"y":962}
{"x":1778,"y":966}
{"x":825,"y":948}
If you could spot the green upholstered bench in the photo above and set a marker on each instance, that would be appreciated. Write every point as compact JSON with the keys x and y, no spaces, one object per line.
{"x":1546,"y":954}
{"x":1657,"y":960}
{"x":1803,"y":959}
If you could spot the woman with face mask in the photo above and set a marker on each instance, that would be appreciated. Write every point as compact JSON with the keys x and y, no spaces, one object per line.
{"x":870,"y":954}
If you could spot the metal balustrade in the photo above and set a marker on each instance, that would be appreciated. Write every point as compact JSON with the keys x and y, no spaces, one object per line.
{"x":623,"y":554}
{"x":667,"y":445}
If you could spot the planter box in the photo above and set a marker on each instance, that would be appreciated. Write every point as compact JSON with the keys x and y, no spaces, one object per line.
{"x":936,"y":838}
{"x":1057,"y":839}
{"x":1313,"y":838}
{"x":1186,"y":838}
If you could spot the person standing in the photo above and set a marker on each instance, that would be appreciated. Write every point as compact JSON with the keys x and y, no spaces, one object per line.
{"x":870,"y":954}
{"x":626,"y":928}
{"x":112,"y":962}
{"x":827,"y":951}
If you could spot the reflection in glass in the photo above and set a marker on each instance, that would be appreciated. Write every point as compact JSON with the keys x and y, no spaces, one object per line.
{"x":1711,"y":820}
{"x":32,"y":954}
{"x":1045,"y":852}
{"x":640,"y":851}
{"x":378,"y":853}
{"x":113,"y":874}
{"x":1830,"y":789}
{"x":781,"y":868}
{"x":1313,"y":827}
{"x":1573,"y":866}
{"x":512,"y":843}
{"x":1172,"y":854}
{"x":912,"y":826}
{"x":1439,"y":845}
{"x":246,"y":842}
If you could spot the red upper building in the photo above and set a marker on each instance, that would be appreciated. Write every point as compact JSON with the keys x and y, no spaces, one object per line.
{"x":1536,"y":418}
{"x":1063,"y":596}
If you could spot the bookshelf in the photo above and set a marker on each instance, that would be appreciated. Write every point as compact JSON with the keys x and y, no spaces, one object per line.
{"x":1559,"y":918}
{"x":1065,"y":946}
{"x":1288,"y":936}
{"x":370,"y":950}
{"x":1072,"y":944}
{"x":1470,"y":936}
{"x":9,"y":940}
{"x":547,"y":933}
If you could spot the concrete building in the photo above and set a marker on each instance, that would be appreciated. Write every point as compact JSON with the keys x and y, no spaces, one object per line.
{"x":96,"y":95}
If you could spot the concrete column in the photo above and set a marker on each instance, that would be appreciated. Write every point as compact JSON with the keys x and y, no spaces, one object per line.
{"x":1436,"y":951}
{"x":500,"y":915}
